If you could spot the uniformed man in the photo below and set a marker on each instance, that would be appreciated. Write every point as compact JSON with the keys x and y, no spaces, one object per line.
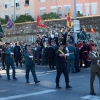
{"x":71,"y":57}
{"x":85,"y":51}
{"x":9,"y":61}
{"x":29,"y":64}
{"x":17,"y":55}
{"x":95,"y":67}
{"x":44,"y":54}
{"x":51,"y":56}
{"x":38,"y":53}
{"x":61,"y":67}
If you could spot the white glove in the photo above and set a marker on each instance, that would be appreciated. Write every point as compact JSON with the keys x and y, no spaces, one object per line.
{"x":11,"y":53}
{"x":31,"y":56}
{"x":67,"y":54}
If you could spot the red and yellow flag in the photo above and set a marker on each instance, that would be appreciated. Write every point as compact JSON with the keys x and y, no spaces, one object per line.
{"x":40,"y":22}
{"x":92,"y":30}
{"x":69,"y":19}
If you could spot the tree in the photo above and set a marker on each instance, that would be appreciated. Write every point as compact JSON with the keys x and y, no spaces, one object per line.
{"x":24,"y":18}
{"x":50,"y":16}
{"x":2,"y":21}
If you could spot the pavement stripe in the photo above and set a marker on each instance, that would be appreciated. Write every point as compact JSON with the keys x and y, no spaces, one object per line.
{"x":90,"y":97}
{"x":29,"y":94}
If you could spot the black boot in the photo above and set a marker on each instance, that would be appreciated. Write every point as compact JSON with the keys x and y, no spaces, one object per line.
{"x":58,"y":86}
{"x":27,"y":81}
{"x":68,"y":86}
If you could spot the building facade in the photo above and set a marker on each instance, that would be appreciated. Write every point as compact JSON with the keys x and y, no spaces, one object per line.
{"x":39,"y":7}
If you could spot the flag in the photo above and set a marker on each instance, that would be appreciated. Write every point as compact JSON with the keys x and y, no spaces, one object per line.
{"x":92,"y":31}
{"x":9,"y":24}
{"x":69,"y":19}
{"x":40,"y":22}
{"x":85,"y":30}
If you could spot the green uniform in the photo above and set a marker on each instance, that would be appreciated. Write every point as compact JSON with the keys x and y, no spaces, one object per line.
{"x":94,"y":69}
{"x":29,"y":64}
{"x":9,"y":62}
{"x":71,"y":58}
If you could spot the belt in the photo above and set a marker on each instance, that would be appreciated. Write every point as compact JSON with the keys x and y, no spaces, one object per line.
{"x":71,"y":53}
{"x":84,"y":51}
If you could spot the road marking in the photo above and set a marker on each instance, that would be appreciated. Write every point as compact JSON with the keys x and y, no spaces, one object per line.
{"x":90,"y":97}
{"x":29,"y":94}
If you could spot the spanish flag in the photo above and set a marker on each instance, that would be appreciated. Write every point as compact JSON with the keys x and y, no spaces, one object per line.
{"x":69,"y":19}
{"x":92,"y":30}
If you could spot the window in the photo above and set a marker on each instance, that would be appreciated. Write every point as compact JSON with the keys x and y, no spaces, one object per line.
{"x":53,"y":9}
{"x":66,"y":9}
{"x":27,"y":13}
{"x":6,"y":6}
{"x":87,"y":9}
{"x":79,"y":8}
{"x":17,"y":15}
{"x":60,"y":11}
{"x":17,"y":6}
{"x":42,"y":10}
{"x":27,"y":2}
{"x":42,"y":0}
{"x":94,"y":7}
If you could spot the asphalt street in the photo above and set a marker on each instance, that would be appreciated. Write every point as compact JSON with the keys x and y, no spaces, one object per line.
{"x":45,"y":90}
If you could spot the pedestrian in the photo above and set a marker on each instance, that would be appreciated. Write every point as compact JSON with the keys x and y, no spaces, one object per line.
{"x":95,"y":67}
{"x":61,"y":67}
{"x":29,"y":64}
{"x":9,"y":61}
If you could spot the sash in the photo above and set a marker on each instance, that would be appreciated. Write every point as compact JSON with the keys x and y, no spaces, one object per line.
{"x":61,"y":51}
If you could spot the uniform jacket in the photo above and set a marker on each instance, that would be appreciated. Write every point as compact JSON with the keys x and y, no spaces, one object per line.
{"x":72,"y":50}
{"x":28,"y":60}
{"x":8,"y":58}
{"x":51,"y":52}
{"x":94,"y":67}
